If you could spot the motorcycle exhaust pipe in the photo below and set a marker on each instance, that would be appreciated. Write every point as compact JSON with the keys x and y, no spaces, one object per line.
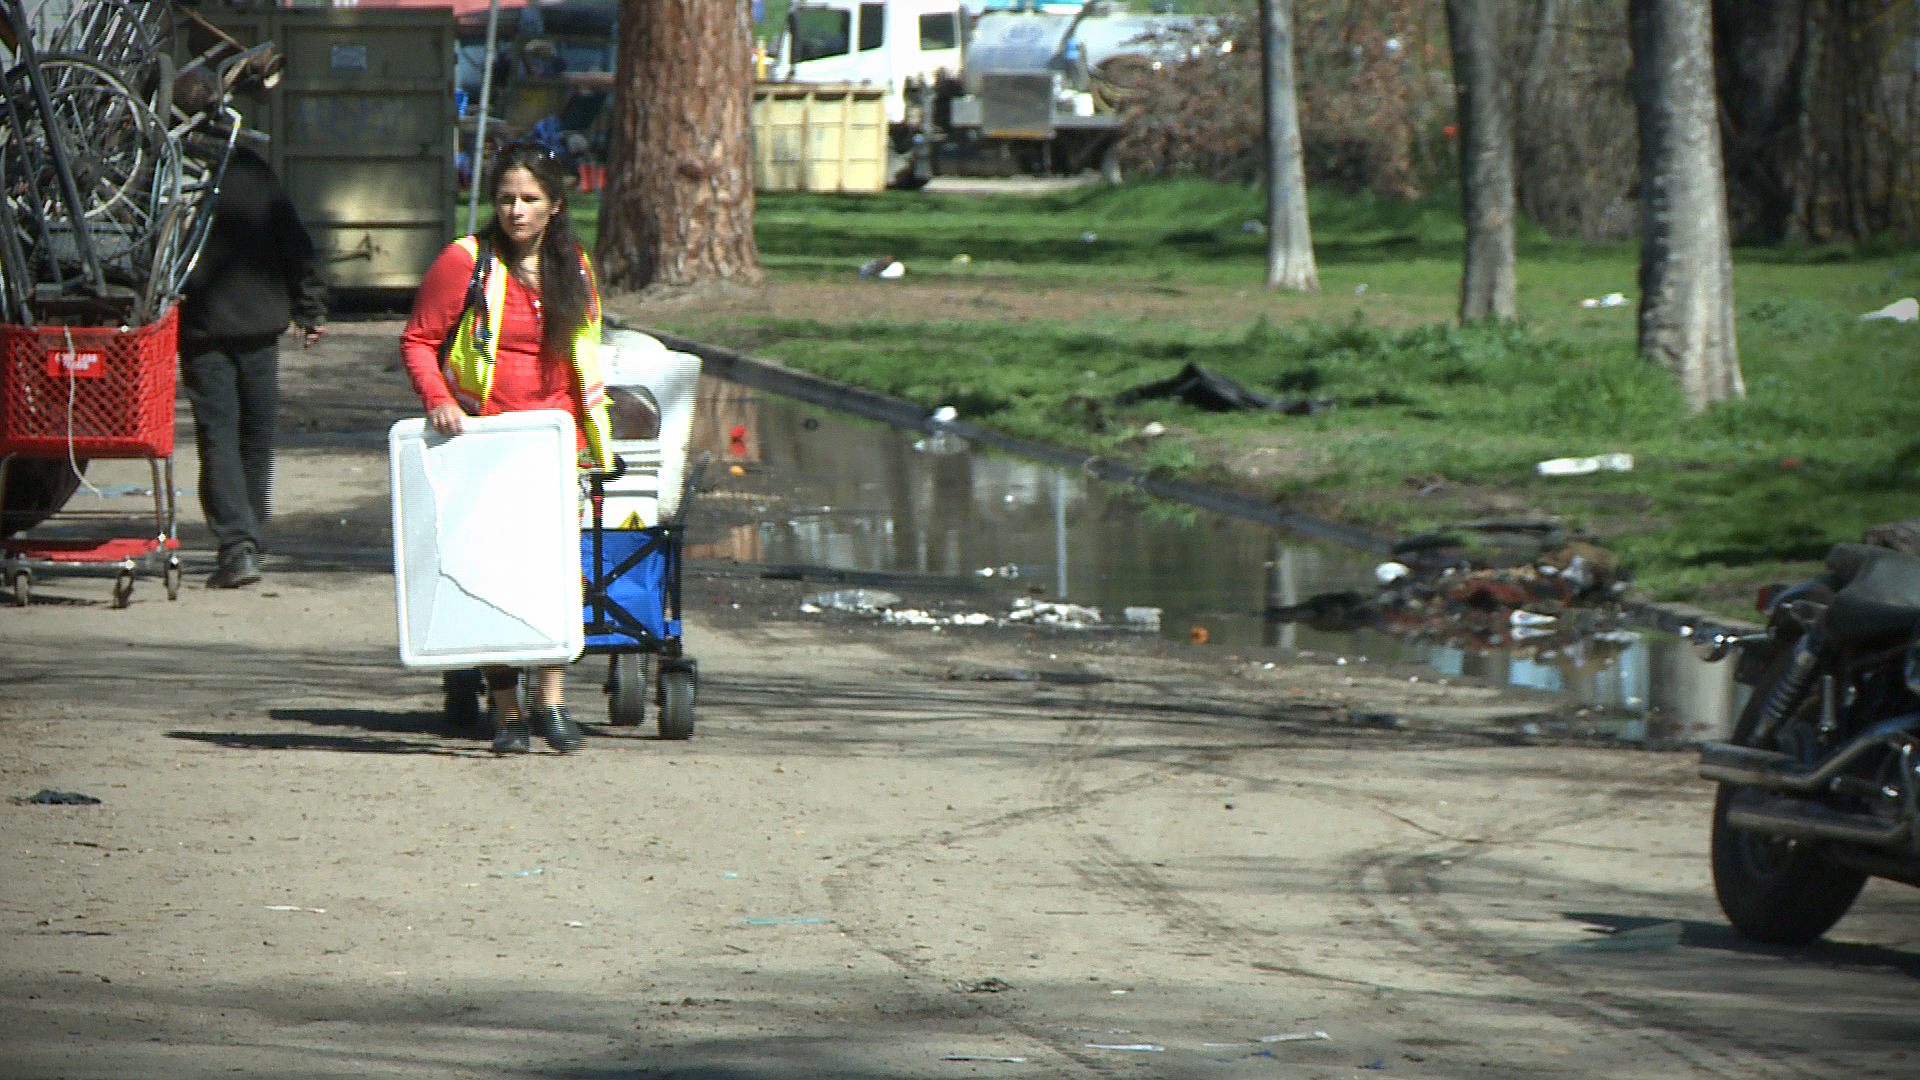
{"x":1752,"y":767}
{"x":1796,"y":819}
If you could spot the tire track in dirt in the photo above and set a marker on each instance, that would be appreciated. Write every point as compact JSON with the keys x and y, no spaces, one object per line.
{"x":1427,"y":922}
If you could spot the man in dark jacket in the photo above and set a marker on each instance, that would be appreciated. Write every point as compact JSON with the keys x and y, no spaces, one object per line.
{"x":257,"y":273}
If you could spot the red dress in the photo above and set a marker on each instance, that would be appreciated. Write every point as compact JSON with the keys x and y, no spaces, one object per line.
{"x":523,"y":377}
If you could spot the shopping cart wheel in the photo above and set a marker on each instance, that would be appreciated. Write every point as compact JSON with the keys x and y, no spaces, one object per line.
{"x":123,"y":589}
{"x":626,"y":689}
{"x":21,"y":585}
{"x":173,"y":579}
{"x":463,"y":692}
{"x":676,"y":702}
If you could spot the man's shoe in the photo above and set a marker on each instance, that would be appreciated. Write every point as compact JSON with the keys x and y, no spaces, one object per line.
{"x":510,"y":737}
{"x":561,"y":732}
{"x":238,"y":566}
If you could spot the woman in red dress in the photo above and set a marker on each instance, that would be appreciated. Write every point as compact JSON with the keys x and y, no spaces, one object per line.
{"x":505,"y":321}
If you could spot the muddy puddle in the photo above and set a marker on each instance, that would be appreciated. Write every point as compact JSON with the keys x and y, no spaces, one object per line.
{"x":1000,"y":531}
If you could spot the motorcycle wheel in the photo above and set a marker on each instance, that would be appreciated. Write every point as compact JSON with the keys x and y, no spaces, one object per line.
{"x":1781,"y":892}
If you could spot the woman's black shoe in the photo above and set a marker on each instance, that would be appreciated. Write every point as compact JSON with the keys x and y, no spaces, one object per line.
{"x":561,"y":732}
{"x":510,"y":737}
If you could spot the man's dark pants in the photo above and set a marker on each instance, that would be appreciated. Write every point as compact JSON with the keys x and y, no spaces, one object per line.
{"x":234,"y":384}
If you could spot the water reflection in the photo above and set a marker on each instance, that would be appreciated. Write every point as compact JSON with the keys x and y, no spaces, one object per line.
{"x":869,"y":501}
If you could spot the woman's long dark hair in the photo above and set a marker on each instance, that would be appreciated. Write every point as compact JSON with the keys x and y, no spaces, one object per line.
{"x":566,"y":296}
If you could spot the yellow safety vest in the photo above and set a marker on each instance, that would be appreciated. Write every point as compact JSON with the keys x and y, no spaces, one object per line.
{"x":467,"y":361}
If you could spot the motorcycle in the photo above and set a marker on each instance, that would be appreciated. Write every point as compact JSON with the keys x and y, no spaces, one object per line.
{"x":1820,"y":785}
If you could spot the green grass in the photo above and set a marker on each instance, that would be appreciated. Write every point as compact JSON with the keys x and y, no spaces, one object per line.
{"x":1827,"y":442}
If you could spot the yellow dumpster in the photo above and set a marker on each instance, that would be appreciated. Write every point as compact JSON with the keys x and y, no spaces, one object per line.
{"x":819,"y":137}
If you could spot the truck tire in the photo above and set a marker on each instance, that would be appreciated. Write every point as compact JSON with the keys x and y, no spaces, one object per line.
{"x":36,"y":490}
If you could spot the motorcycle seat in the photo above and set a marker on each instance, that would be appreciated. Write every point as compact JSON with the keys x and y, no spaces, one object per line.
{"x":1879,"y":598}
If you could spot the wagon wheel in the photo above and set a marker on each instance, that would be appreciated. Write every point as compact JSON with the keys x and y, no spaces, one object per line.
{"x":626,"y":689}
{"x":676,"y":703}
{"x":172,"y":579}
{"x":22,"y":585}
{"x":123,"y":589}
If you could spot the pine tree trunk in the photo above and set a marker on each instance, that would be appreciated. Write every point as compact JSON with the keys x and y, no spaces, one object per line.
{"x":1486,"y":160}
{"x":1290,"y":262}
{"x":678,"y":206}
{"x":1686,"y":270}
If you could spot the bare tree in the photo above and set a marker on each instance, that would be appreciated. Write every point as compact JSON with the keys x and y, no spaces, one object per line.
{"x":1290,"y":262}
{"x":678,"y":208}
{"x":1486,"y":159}
{"x":1686,"y":270}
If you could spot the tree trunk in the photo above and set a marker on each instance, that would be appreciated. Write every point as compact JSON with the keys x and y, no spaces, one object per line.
{"x":1289,"y":236}
{"x":1686,"y":270}
{"x":1486,"y":159}
{"x":678,"y":207}
{"x":1760,"y":53}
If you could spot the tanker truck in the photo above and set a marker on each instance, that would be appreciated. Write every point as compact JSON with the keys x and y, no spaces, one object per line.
{"x":985,"y":91}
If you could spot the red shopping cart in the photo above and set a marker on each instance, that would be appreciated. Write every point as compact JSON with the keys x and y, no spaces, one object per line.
{"x":75,"y":393}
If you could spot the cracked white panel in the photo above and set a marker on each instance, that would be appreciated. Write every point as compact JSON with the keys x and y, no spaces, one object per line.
{"x":486,"y":549}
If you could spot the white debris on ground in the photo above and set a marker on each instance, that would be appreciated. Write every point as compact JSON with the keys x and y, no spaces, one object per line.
{"x":857,"y":601}
{"x":1025,"y":611}
{"x":1903,"y":310}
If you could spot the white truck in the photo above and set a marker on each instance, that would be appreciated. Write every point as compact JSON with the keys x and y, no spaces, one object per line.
{"x":979,"y":89}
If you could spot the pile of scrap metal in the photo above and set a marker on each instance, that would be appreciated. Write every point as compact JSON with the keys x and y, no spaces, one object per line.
{"x":109,"y":184}
{"x":1479,"y":584}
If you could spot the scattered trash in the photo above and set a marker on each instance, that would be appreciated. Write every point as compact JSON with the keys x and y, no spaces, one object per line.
{"x":781,"y":920}
{"x":945,"y":414}
{"x":1360,"y":289}
{"x":1389,"y":572}
{"x":1204,"y":389}
{"x":1521,"y":617}
{"x":1148,"y":1048}
{"x":994,"y":985}
{"x":1612,"y":299}
{"x":1645,"y":938}
{"x":1119,"y":993}
{"x":729,"y":873}
{"x":1089,"y":237}
{"x":534,"y":872}
{"x":1295,"y":1036}
{"x":1027,"y":609}
{"x":1906,"y":310}
{"x":1582,"y":466}
{"x":962,"y":259}
{"x":50,"y":797}
{"x":1197,"y":635}
{"x":858,"y":601}
{"x":1377,"y":1064}
{"x":575,"y":923}
{"x":1152,"y":429}
{"x":970,"y":1057}
{"x":1258,"y":228}
{"x":296,"y":907}
{"x":875,"y":266}
{"x":893,"y":270}
{"x":1142,"y":618}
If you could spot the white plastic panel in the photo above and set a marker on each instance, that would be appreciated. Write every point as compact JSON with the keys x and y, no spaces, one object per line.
{"x":650,"y":491}
{"x":486,"y":541}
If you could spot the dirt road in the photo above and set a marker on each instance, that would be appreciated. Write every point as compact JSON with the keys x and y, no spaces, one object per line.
{"x":886,"y":853}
